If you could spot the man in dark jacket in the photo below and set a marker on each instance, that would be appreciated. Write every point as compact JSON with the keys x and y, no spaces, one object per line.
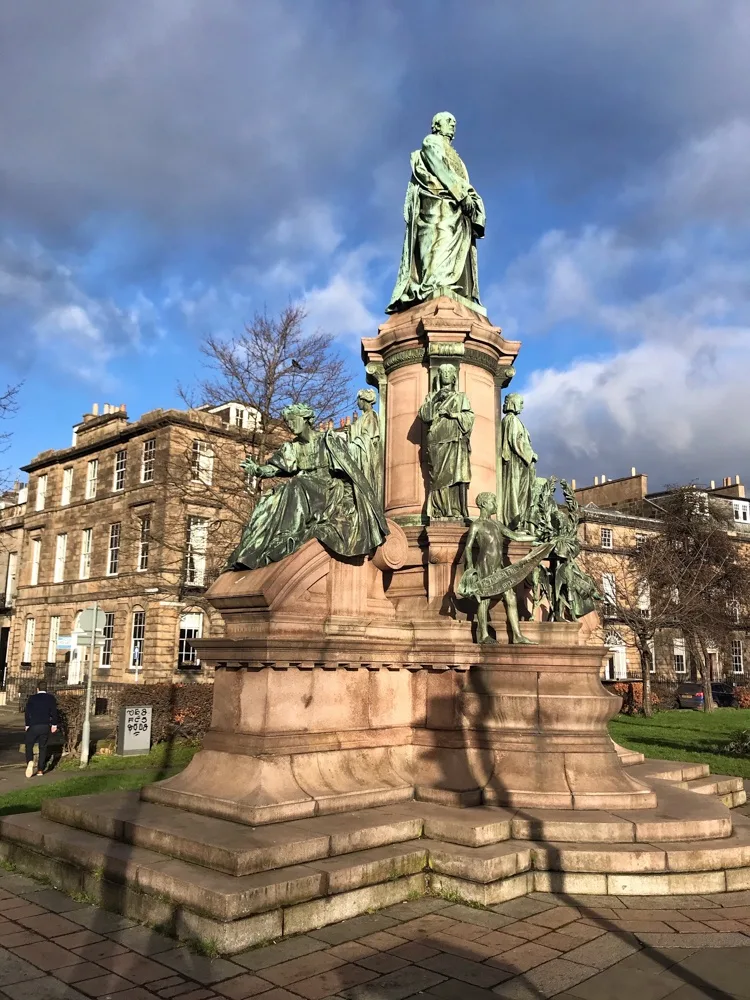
{"x":42,"y":718}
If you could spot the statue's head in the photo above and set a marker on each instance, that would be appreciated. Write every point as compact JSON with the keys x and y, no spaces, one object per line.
{"x":297,"y":416}
{"x":444,"y":123}
{"x":513,"y":403}
{"x":487,"y":502}
{"x":447,"y":374}
{"x":366,"y":399}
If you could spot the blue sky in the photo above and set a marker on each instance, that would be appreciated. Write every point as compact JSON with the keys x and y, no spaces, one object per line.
{"x":169,"y":168}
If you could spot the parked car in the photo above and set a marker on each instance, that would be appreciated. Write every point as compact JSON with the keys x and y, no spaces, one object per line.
{"x":690,"y":694}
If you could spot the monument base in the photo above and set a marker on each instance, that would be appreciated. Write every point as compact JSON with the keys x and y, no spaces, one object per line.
{"x":223,"y":882}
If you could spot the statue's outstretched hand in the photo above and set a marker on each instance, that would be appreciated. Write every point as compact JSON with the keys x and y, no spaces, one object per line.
{"x":250,"y":466}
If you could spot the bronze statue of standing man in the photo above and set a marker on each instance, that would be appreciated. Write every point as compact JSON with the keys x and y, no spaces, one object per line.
{"x":449,"y":418}
{"x":519,"y":465}
{"x":444,"y":218}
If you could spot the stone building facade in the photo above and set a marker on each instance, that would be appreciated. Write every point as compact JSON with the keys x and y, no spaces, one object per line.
{"x":616,"y":515}
{"x":136,"y":516}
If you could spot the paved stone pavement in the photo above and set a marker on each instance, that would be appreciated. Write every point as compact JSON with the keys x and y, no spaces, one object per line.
{"x":572,"y":948}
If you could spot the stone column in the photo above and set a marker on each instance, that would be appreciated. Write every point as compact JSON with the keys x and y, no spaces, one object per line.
{"x":410,"y":346}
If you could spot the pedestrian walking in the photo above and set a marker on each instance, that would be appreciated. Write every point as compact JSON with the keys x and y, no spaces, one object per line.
{"x":42,"y":718}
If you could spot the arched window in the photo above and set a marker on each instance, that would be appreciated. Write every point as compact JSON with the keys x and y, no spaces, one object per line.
{"x":617,"y":661}
{"x":191,"y":627}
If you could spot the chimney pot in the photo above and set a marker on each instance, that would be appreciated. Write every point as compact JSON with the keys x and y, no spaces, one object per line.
{"x":573,"y":485}
{"x":604,"y":479}
{"x":596,"y":480}
{"x":632,"y":470}
{"x":95,"y":409}
{"x":737,"y":480}
{"x":713,"y":484}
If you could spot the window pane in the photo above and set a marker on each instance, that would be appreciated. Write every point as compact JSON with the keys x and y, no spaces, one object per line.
{"x":144,"y":543}
{"x":113,"y":562}
{"x":147,"y":461}
{"x":109,"y":632}
{"x":54,"y":633}
{"x":137,"y":638}
{"x":92,"y":475}
{"x":121,"y":462}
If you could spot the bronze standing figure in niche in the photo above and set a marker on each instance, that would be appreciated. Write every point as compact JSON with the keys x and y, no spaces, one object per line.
{"x":449,"y":419}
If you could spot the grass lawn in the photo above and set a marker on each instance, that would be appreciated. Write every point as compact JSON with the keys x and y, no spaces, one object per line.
{"x":683,"y":734}
{"x":177,"y":754}
{"x":30,"y":799}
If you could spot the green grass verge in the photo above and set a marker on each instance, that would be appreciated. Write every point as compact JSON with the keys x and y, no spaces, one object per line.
{"x":687,"y":735}
{"x":30,"y":799}
{"x":176,"y":754}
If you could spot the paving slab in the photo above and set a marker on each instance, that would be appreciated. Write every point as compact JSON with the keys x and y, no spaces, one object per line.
{"x":47,"y":988}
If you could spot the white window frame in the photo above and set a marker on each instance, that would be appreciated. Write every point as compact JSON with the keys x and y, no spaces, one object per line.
{"x":92,"y":478}
{"x":678,"y":654}
{"x":41,"y":492}
{"x":741,"y":510}
{"x":61,"y":552}
{"x":144,"y":543}
{"x":607,"y":538}
{"x":640,"y":538}
{"x":738,"y":657}
{"x":36,"y":558}
{"x":652,"y":653}
{"x":113,"y":549}
{"x":609,"y":589}
{"x":195,"y":560}
{"x":120,"y":470}
{"x":67,"y":486}
{"x":87,"y":542}
{"x":105,"y":655}
{"x":619,"y":658}
{"x":28,"y":639}
{"x":11,"y":579}
{"x":643,"y":601}
{"x":148,"y":460}
{"x":187,"y":659}
{"x":202,"y":463}
{"x":137,"y":640}
{"x":54,"y":635}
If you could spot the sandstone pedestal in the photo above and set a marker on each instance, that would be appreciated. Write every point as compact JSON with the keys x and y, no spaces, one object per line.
{"x":363,"y":748}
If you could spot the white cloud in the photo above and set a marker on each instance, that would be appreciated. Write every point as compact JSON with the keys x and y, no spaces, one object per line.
{"x":342,"y":306}
{"x":66,"y":328}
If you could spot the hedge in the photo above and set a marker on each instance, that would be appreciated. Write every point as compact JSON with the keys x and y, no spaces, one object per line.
{"x":178,"y":710}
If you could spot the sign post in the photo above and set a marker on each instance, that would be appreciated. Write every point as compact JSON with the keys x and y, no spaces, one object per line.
{"x":92,"y":621}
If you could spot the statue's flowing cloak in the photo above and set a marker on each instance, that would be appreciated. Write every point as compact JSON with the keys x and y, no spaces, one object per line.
{"x":448,"y":437}
{"x":324,"y":495}
{"x":366,"y":447}
{"x":439,"y":251}
{"x":518,"y":471}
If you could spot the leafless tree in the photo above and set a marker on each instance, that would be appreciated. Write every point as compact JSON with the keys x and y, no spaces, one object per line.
{"x":691,"y":577}
{"x":271,"y":364}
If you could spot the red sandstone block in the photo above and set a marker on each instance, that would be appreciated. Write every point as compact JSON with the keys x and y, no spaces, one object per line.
{"x":523,"y":929}
{"x":500,"y":941}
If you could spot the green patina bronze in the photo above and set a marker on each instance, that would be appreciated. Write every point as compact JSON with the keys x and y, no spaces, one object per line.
{"x":487,"y":575}
{"x":444,"y":217}
{"x":518,"y":465}
{"x":449,"y":418}
{"x":365,"y":443}
{"x":323,"y":494}
{"x":569,"y":591}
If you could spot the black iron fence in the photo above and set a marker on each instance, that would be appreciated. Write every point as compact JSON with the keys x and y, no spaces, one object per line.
{"x":19,"y":688}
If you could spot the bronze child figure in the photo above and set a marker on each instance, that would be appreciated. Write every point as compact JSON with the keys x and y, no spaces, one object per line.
{"x":486,"y":575}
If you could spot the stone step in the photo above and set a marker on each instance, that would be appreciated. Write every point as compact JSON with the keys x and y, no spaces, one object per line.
{"x":230,"y":847}
{"x":239,"y":910}
{"x":628,"y":757}
{"x":668,"y":770}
